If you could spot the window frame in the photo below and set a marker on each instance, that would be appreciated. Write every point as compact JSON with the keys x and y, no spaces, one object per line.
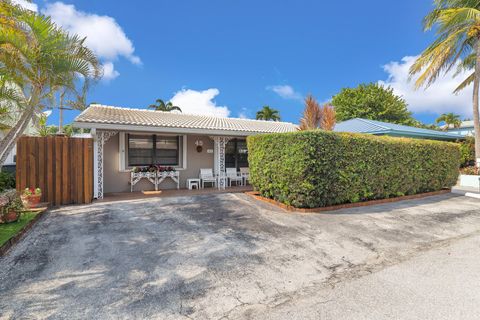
{"x":124,"y":145}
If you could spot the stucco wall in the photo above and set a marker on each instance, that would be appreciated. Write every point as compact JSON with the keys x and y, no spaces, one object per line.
{"x":118,"y":181}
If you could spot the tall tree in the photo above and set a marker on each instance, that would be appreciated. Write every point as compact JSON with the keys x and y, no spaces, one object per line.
{"x":38,"y":59}
{"x":450,"y":119}
{"x":160,"y":105}
{"x":372,"y":101}
{"x":312,"y":115}
{"x":457,"y":45}
{"x":268,"y":114}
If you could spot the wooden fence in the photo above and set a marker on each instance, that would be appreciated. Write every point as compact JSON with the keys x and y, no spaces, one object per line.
{"x":62,"y":167}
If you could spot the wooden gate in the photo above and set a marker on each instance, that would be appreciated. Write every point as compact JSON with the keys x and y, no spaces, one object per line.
{"x":61,"y":166}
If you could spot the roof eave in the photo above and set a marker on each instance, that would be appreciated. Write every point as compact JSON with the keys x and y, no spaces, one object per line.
{"x":146,"y":128}
{"x":426,"y":135}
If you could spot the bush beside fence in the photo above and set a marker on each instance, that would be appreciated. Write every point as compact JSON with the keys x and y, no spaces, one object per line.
{"x":308,"y":169}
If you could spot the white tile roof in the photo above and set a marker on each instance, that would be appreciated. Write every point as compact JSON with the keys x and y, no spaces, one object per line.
{"x":103,"y":117}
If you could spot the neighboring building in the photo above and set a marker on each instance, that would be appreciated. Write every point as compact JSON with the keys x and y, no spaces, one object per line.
{"x":465,"y":129}
{"x":125,"y":138}
{"x":11,"y":160}
{"x":359,"y":125}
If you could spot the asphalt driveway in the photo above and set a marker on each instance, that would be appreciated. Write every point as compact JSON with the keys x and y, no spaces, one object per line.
{"x":212,"y":257}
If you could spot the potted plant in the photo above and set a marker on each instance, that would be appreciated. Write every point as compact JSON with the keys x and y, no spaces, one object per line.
{"x":31,"y":197}
{"x":13,"y":209}
{"x":3,"y":204}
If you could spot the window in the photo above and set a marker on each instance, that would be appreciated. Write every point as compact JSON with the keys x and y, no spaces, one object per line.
{"x":144,"y":150}
{"x":236,"y":154}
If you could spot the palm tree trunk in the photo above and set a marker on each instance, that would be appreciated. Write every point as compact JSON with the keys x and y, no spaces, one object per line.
{"x":11,"y":133}
{"x":60,"y":114}
{"x":14,"y":134}
{"x":476,"y":113}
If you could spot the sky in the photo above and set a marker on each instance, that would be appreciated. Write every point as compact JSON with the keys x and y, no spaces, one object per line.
{"x":229,"y":58}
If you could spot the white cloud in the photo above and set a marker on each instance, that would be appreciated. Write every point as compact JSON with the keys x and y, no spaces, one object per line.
{"x":286,"y":92}
{"x":109,"y":72}
{"x":436,"y":99}
{"x":103,"y":34}
{"x":200,"y":102}
{"x":27,"y":5}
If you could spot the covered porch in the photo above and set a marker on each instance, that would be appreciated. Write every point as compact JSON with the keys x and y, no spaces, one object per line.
{"x":117,"y":153}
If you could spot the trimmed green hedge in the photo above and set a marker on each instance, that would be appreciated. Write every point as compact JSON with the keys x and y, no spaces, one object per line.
{"x":308,"y":169}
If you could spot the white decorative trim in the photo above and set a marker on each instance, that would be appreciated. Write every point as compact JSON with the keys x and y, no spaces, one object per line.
{"x":101,"y":137}
{"x":95,"y":162}
{"x":219,"y":151}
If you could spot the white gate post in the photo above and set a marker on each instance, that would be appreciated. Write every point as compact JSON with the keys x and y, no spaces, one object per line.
{"x":100,"y":138}
{"x":219,"y":158}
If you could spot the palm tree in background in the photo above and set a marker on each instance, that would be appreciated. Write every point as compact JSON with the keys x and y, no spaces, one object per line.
{"x":160,"y":105}
{"x":457,"y":25}
{"x":268,"y":114}
{"x":450,"y":119}
{"x":37,"y":60}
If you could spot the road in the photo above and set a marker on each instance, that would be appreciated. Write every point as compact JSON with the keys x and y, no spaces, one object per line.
{"x":228,"y":256}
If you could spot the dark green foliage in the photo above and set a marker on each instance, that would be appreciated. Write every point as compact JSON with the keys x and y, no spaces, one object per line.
{"x":310,"y":169}
{"x":7,"y":181}
{"x":467,"y":152}
{"x":372,"y":101}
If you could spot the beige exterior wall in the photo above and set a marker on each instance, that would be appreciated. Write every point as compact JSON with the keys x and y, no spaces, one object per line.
{"x":117,"y":180}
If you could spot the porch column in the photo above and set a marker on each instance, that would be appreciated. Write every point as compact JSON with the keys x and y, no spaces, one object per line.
{"x":219,"y":160}
{"x":99,"y":140}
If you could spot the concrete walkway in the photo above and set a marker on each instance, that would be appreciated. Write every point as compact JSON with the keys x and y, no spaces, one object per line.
{"x":228,"y":256}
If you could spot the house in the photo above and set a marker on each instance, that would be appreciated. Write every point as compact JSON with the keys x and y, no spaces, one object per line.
{"x":126,"y":138}
{"x":379,"y":128}
{"x":465,"y":129}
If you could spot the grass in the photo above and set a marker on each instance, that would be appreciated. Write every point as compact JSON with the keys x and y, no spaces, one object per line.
{"x":9,"y":230}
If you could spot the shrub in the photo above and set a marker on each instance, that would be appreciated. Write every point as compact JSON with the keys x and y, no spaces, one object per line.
{"x":467,"y":152}
{"x":7,"y":181}
{"x":308,"y":169}
{"x":472,"y":170}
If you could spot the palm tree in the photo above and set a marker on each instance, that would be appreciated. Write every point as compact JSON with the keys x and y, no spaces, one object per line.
{"x":450,"y":119}
{"x":44,"y":129}
{"x":457,"y":44}
{"x":312,"y":115}
{"x":165,"y":107}
{"x":268,"y":114}
{"x":38,"y":59}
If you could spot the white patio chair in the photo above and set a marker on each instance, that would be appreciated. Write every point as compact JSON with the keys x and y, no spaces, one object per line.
{"x":245,"y":174}
{"x":206,"y":176}
{"x":232,"y":175}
